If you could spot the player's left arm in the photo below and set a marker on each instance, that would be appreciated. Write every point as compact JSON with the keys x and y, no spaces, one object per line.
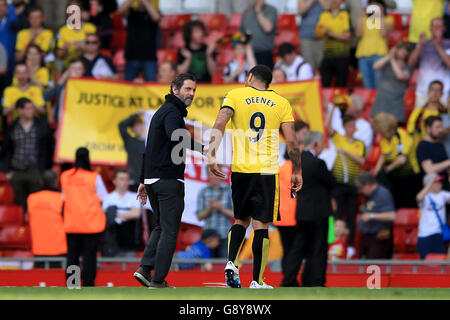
{"x":293,"y":148}
{"x":217,"y":133}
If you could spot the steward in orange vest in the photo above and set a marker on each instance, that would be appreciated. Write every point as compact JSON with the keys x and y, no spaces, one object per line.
{"x":82,"y":207}
{"x":46,"y":222}
{"x":84,"y":219}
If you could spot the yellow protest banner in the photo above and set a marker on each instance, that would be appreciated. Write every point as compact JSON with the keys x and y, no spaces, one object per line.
{"x":93,"y":109}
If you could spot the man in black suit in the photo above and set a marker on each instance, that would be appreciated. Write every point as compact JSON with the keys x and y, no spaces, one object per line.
{"x":313,"y":210}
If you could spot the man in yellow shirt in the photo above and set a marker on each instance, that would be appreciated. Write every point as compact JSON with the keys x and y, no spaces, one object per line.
{"x":334,"y":26}
{"x":23,"y":89}
{"x":36,"y":34}
{"x":70,"y":41}
{"x":257,"y":115}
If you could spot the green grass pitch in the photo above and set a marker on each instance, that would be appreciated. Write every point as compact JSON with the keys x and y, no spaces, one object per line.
{"x":190,"y":293}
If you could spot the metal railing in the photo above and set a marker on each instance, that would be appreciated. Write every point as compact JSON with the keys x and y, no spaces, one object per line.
{"x":275,"y":265}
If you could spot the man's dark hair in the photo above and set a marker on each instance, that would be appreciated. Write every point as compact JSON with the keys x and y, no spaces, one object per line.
{"x":180,"y":79}
{"x":285,"y":48}
{"x":299,"y":125}
{"x":439,"y":82}
{"x":20,"y":104}
{"x":120,"y":170}
{"x":430,"y":120}
{"x":187,"y":30}
{"x":262,"y":73}
{"x":35,"y":9}
{"x":348,"y":118}
{"x":82,"y":159}
{"x":364,"y":179}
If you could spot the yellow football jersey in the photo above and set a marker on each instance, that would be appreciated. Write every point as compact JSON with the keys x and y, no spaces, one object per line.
{"x":255,"y":126}
{"x":44,"y":40}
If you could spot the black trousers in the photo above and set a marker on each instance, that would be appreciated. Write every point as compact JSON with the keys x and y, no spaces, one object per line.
{"x":311,"y":242}
{"x":167,"y":201}
{"x":347,"y":205}
{"x":287,"y":235}
{"x":86,"y":245}
{"x":334,"y":68}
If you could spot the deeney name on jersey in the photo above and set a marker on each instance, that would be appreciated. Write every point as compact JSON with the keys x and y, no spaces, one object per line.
{"x":262,"y":100}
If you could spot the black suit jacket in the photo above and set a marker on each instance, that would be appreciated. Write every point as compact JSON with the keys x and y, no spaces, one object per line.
{"x":314,"y":199}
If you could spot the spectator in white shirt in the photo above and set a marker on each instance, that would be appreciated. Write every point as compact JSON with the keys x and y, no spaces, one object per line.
{"x":123,"y":234}
{"x":293,"y":64}
{"x":431,"y":199}
{"x":364,"y":130}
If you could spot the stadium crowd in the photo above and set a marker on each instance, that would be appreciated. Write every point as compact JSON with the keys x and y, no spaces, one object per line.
{"x":403,"y":141}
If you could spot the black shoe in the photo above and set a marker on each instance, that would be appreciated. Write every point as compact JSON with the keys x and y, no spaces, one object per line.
{"x":159,"y":285}
{"x":144,"y":277}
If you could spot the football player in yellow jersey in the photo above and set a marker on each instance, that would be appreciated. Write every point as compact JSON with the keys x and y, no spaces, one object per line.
{"x":257,"y":115}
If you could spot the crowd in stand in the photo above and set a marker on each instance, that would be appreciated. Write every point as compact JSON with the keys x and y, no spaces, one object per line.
{"x":335,"y":37}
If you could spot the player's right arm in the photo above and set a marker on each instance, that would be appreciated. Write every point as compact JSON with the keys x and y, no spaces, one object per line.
{"x":293,"y":148}
{"x":217,"y":133}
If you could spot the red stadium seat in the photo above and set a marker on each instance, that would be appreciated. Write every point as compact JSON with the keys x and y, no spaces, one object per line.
{"x":117,"y":20}
{"x":407,"y":217}
{"x":167,"y":55}
{"x":119,"y":60}
{"x":406,"y":256}
{"x":409,"y":100}
{"x":173,"y":22}
{"x":218,"y":77}
{"x":118,"y":40}
{"x":436,"y":257}
{"x":354,"y":78}
{"x":213,"y":36}
{"x":106,"y":52}
{"x":413,"y":80}
{"x":15,"y":236}
{"x":213,"y":21}
{"x":398,"y":23}
{"x":290,"y":36}
{"x":224,"y":56}
{"x":286,"y":21}
{"x":176,"y":40}
{"x":396,"y":36}
{"x":406,"y":20}
{"x":6,"y":193}
{"x":17,"y":254}
{"x":188,"y":234}
{"x":405,"y":239}
{"x":368,"y":96}
{"x":11,"y":214}
{"x":234,"y":23}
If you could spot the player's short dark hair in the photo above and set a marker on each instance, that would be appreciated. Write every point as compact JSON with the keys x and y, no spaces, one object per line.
{"x":20,"y":103}
{"x":431,"y":119}
{"x":262,"y":73}
{"x":180,"y":79}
